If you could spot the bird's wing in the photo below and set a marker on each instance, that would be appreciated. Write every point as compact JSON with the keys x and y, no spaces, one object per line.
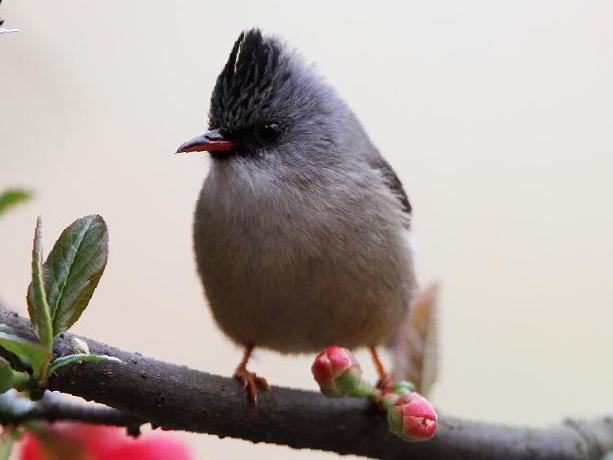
{"x":391,"y":180}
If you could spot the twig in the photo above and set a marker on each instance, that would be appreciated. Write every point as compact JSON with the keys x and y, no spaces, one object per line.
{"x":52,"y":408}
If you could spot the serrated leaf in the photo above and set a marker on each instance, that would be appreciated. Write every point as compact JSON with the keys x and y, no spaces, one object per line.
{"x":33,"y":354}
{"x":38,"y":308}
{"x":415,"y":348}
{"x":69,"y":360}
{"x":73,"y":268}
{"x":14,"y":196}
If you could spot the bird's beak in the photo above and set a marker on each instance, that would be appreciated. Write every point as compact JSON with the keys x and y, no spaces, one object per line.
{"x":211,"y":141}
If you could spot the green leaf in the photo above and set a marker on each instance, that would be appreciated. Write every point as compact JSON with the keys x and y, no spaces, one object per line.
{"x":6,"y":376}
{"x":13,"y":197}
{"x":15,"y":361}
{"x":69,"y":360}
{"x":73,"y":268}
{"x":10,"y":378}
{"x":33,"y":354}
{"x":38,"y":308}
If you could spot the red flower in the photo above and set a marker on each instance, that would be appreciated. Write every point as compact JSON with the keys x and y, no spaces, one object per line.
{"x":411,"y":416}
{"x":79,"y":441}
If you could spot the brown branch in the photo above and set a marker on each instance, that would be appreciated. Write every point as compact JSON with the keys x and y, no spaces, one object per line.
{"x":176,"y":397}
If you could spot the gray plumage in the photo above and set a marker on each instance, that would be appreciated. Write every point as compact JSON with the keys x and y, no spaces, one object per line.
{"x":301,"y":234}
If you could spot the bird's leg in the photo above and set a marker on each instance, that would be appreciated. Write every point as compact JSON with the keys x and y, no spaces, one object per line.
{"x":250,"y":379}
{"x":385,"y":380}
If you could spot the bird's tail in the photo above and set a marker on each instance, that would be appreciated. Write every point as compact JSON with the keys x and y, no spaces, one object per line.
{"x":414,"y":347}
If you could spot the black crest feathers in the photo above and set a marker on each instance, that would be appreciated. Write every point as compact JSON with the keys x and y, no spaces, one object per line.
{"x":252,"y":74}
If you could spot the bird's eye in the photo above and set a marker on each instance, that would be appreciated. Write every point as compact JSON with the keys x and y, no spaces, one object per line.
{"x":268,"y":133}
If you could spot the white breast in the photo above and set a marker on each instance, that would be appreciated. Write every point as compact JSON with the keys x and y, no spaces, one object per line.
{"x":295,"y":262}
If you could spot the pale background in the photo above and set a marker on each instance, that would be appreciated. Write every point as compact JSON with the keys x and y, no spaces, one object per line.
{"x":498,"y":117}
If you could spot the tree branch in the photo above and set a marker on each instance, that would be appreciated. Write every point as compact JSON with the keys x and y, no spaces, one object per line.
{"x":52,"y":408}
{"x":179,"y":398}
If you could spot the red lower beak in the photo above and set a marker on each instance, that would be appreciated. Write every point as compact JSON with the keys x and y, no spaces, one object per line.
{"x":211,"y":141}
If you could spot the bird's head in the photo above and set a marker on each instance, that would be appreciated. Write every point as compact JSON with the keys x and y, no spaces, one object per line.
{"x":268,"y":103}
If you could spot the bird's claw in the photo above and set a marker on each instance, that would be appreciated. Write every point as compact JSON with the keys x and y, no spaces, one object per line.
{"x":251,"y":381}
{"x":385,"y":383}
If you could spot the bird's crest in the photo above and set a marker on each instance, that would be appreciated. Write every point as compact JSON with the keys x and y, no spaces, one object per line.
{"x":254,"y":72}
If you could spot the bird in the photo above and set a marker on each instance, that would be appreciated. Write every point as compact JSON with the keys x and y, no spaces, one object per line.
{"x":302,"y":230}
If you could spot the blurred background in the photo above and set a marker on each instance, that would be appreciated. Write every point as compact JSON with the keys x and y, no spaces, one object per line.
{"x":497,"y":116}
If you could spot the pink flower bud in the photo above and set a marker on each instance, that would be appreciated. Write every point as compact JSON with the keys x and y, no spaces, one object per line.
{"x":411,"y":416}
{"x":338,"y":373}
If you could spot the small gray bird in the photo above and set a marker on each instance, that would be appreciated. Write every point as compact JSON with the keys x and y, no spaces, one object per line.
{"x":301,"y":230}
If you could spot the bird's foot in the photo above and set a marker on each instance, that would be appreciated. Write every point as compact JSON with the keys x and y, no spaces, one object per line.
{"x":385,"y":383}
{"x":251,"y":381}
{"x":385,"y":379}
